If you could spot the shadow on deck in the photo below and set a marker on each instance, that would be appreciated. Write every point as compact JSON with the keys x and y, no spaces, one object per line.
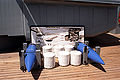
{"x":11,"y":43}
{"x":104,"y":40}
{"x":36,"y":73}
{"x":99,"y":66}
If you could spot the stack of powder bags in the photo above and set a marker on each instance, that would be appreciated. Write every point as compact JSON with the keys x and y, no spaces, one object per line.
{"x":65,"y":53}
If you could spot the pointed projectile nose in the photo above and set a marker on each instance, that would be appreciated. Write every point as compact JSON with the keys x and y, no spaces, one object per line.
{"x":92,"y":54}
{"x":95,"y":57}
{"x":30,"y":61}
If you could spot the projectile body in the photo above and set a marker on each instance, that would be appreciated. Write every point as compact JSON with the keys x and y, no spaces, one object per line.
{"x":91,"y":53}
{"x":30,"y":57}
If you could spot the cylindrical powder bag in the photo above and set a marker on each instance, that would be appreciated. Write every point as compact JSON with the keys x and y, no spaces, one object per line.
{"x":63,"y":58}
{"x":49,"y":60}
{"x":57,"y":49}
{"x":46,"y":49}
{"x":75,"y":57}
{"x":68,"y":47}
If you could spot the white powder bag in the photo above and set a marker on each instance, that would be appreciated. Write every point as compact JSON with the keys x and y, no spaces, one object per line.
{"x":63,"y":58}
{"x":49,"y":60}
{"x":75,"y":57}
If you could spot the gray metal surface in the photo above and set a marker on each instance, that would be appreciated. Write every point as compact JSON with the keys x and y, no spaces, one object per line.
{"x":99,"y":1}
{"x":11,"y":21}
{"x":116,"y":30}
{"x":97,"y":20}
{"x":16,"y":17}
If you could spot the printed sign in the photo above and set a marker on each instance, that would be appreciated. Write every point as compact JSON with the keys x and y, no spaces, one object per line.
{"x":57,"y":35}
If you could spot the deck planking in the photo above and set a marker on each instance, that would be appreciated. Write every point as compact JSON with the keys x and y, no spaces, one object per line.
{"x":9,"y":67}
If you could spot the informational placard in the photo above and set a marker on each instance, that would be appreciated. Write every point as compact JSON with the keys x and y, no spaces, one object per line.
{"x":52,"y":35}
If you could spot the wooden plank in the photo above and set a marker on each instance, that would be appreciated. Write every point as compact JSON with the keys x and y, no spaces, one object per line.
{"x":9,"y":68}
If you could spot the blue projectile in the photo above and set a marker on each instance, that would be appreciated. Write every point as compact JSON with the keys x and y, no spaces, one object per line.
{"x":30,"y":57}
{"x":92,"y":54}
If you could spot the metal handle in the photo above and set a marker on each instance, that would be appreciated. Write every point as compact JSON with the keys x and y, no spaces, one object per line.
{"x":97,"y":50}
{"x":24,"y":46}
{"x":86,"y":42}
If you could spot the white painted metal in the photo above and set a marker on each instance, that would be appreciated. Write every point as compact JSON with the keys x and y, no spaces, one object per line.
{"x":33,"y":37}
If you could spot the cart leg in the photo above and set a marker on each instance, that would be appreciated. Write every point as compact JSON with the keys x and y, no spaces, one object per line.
{"x":38,"y":58}
{"x":22,"y":61}
{"x":85,"y":56}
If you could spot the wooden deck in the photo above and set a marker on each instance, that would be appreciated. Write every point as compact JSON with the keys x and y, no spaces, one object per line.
{"x":9,"y":66}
